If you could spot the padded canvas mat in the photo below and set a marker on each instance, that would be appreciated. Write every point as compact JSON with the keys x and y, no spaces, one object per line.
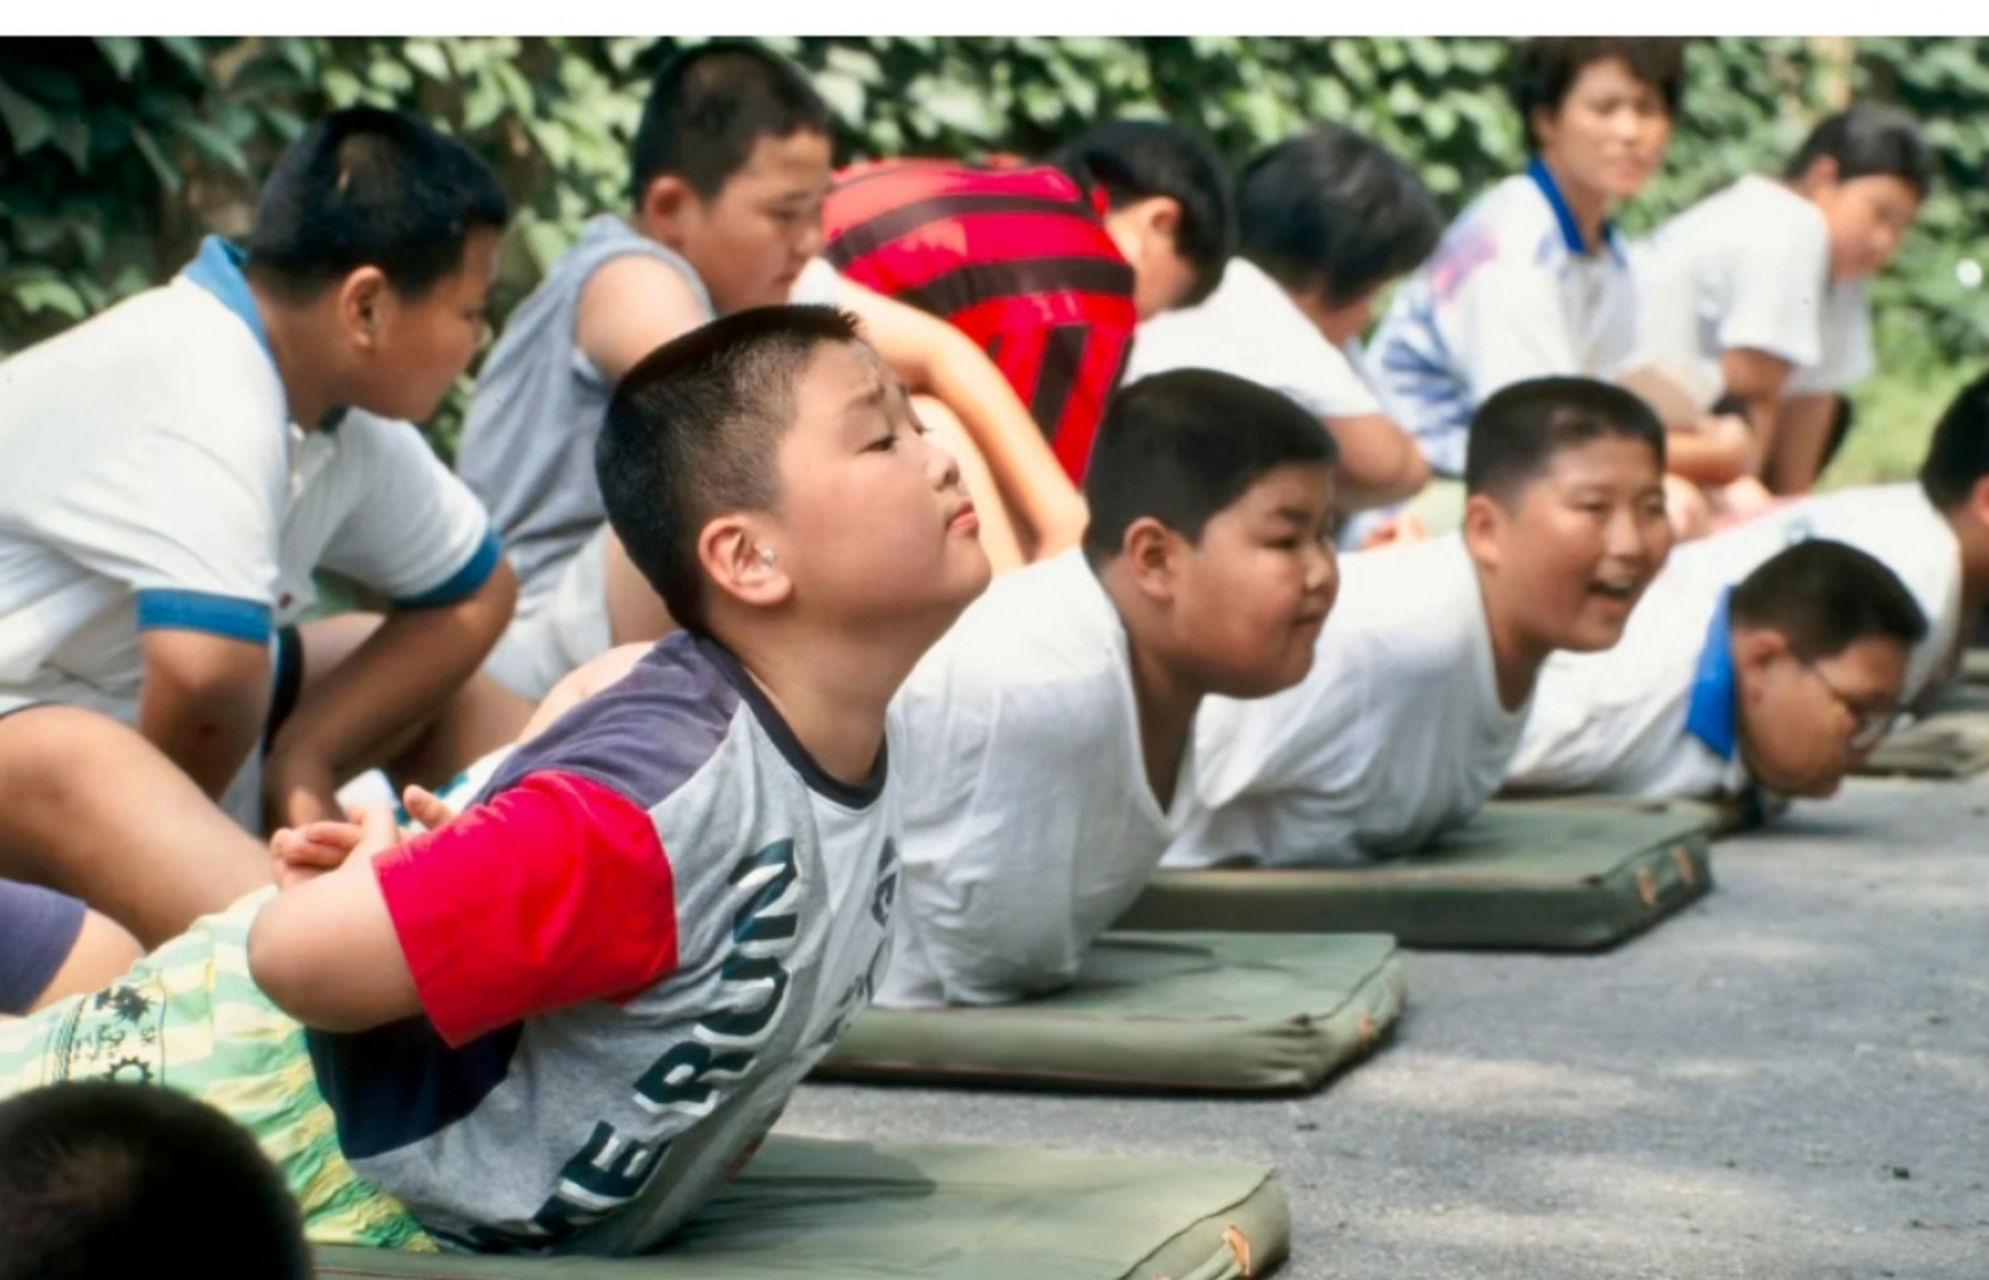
{"x":1526,"y":875}
{"x":820,"y":1210}
{"x":1950,"y":741}
{"x":1187,"y":1012}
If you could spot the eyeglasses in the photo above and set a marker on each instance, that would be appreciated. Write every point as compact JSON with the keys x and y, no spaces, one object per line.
{"x":1873,"y":722}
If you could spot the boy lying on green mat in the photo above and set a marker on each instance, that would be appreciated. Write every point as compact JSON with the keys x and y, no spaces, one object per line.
{"x":561,"y":1021}
{"x":1422,"y":682}
{"x":1787,"y":680}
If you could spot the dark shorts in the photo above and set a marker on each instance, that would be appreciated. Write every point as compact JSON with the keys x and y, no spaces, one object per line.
{"x":38,"y":930}
{"x":286,"y":682}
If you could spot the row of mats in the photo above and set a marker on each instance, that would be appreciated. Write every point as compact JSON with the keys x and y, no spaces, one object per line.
{"x":1231,"y":983}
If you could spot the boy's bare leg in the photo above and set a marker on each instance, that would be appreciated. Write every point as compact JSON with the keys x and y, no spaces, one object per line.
{"x":999,"y":535}
{"x":103,"y":951}
{"x":95,"y":811}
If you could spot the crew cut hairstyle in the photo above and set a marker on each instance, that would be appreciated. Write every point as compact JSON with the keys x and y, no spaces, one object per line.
{"x":1518,"y":430}
{"x":1958,"y":455}
{"x":1181,"y":446}
{"x":365,"y":187}
{"x":1131,"y":160}
{"x":1824,"y":596}
{"x":691,"y":433}
{"x":1869,"y":141}
{"x":709,"y":106}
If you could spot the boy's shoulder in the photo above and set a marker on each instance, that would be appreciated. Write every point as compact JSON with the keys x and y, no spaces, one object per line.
{"x":1048,"y":622}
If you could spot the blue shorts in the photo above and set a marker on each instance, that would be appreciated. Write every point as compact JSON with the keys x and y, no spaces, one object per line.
{"x":38,"y":930}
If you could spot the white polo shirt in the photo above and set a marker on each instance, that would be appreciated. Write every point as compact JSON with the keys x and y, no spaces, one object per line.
{"x":152,"y":480}
{"x":1029,"y":821}
{"x":1749,"y":267}
{"x":1397,"y":733}
{"x":1895,"y":524}
{"x":1653,"y":717}
{"x":1513,"y":292}
{"x":1250,"y":328}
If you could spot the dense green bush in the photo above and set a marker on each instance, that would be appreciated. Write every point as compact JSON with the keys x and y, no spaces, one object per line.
{"x":116,"y":154}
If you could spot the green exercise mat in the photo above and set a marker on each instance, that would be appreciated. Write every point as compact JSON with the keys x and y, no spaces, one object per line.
{"x":1177,"y":1012}
{"x":1950,"y":741}
{"x":1525,"y":875}
{"x":1975,"y":666}
{"x":819,"y":1210}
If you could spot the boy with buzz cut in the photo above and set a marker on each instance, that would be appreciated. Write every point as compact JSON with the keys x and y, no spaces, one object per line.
{"x":1051,"y":727}
{"x":1756,"y":294}
{"x":1325,"y":220}
{"x":560,"y":1022}
{"x":1933,"y":534}
{"x":1422,"y":683}
{"x":727,"y":176}
{"x":178,"y":466}
{"x":1787,"y":680}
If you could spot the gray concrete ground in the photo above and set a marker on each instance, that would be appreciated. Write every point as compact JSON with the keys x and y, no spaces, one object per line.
{"x":1791,"y":1079}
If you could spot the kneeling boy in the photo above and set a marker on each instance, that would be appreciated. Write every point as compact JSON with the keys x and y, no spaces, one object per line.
{"x":1050,"y":729}
{"x":1789,"y":680}
{"x":1422,"y":683}
{"x":561,"y":1021}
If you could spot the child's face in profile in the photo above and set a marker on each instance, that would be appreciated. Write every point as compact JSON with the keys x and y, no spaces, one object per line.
{"x":1805,"y":725}
{"x":1867,"y":217}
{"x":875,"y":527}
{"x":1254,"y":592}
{"x":750,"y":241}
{"x":1576,"y":547}
{"x":421,"y":346}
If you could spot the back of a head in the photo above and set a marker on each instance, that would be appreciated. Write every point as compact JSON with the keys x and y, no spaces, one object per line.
{"x":1825,"y":596}
{"x":1869,"y":141}
{"x":1139,"y":159}
{"x":691,"y":434}
{"x":1518,"y":430}
{"x":1332,"y":210}
{"x":102,"y":1180}
{"x":1958,"y":455}
{"x":1545,"y":68}
{"x":710,"y":105}
{"x":365,"y":187}
{"x":1182,"y":446}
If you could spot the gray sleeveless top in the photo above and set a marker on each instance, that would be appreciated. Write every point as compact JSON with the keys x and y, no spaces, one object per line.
{"x":528,"y":441}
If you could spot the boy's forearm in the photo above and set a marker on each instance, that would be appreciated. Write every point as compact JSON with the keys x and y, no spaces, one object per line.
{"x":1379,"y":463}
{"x":202,"y":703}
{"x":365,"y":709}
{"x":326,"y":953}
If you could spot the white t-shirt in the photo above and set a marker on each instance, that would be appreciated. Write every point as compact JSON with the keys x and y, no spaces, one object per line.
{"x":1749,"y":267}
{"x":152,"y":480}
{"x":1250,"y":328}
{"x":1512,"y":293}
{"x":1029,"y":822}
{"x":1652,"y":717}
{"x":1895,"y":524}
{"x":1397,"y":732}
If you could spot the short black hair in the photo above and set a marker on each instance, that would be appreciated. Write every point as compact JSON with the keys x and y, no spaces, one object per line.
{"x":1824,"y":596}
{"x":1869,"y":140}
{"x":1518,"y":429}
{"x":1332,"y":210}
{"x":709,"y":106}
{"x":1545,"y":68}
{"x":1182,"y":446}
{"x":1958,"y":455}
{"x":365,"y":187}
{"x":104,"y":1179}
{"x":691,"y":432}
{"x":1133,"y":160}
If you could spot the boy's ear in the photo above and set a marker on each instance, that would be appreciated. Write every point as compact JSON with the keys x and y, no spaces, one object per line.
{"x":665,"y":202}
{"x":1485,"y":523}
{"x":1151,"y":551}
{"x":362,"y":299}
{"x":1822,"y":172}
{"x":1755,"y":649}
{"x":739,"y":558}
{"x":1978,"y":501}
{"x":1163,"y":217}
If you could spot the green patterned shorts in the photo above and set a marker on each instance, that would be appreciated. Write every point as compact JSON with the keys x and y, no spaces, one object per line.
{"x":189,"y":1017}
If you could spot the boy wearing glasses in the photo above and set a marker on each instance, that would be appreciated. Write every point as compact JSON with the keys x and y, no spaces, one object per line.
{"x":1786,"y":681}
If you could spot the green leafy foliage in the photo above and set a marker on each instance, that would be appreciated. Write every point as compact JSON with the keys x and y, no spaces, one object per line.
{"x":116,"y":154}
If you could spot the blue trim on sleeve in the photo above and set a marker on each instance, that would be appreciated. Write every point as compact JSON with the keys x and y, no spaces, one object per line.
{"x":464,"y":582}
{"x":230,"y":617}
{"x":217,"y":268}
{"x":1571,"y":235}
{"x":1711,"y":716}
